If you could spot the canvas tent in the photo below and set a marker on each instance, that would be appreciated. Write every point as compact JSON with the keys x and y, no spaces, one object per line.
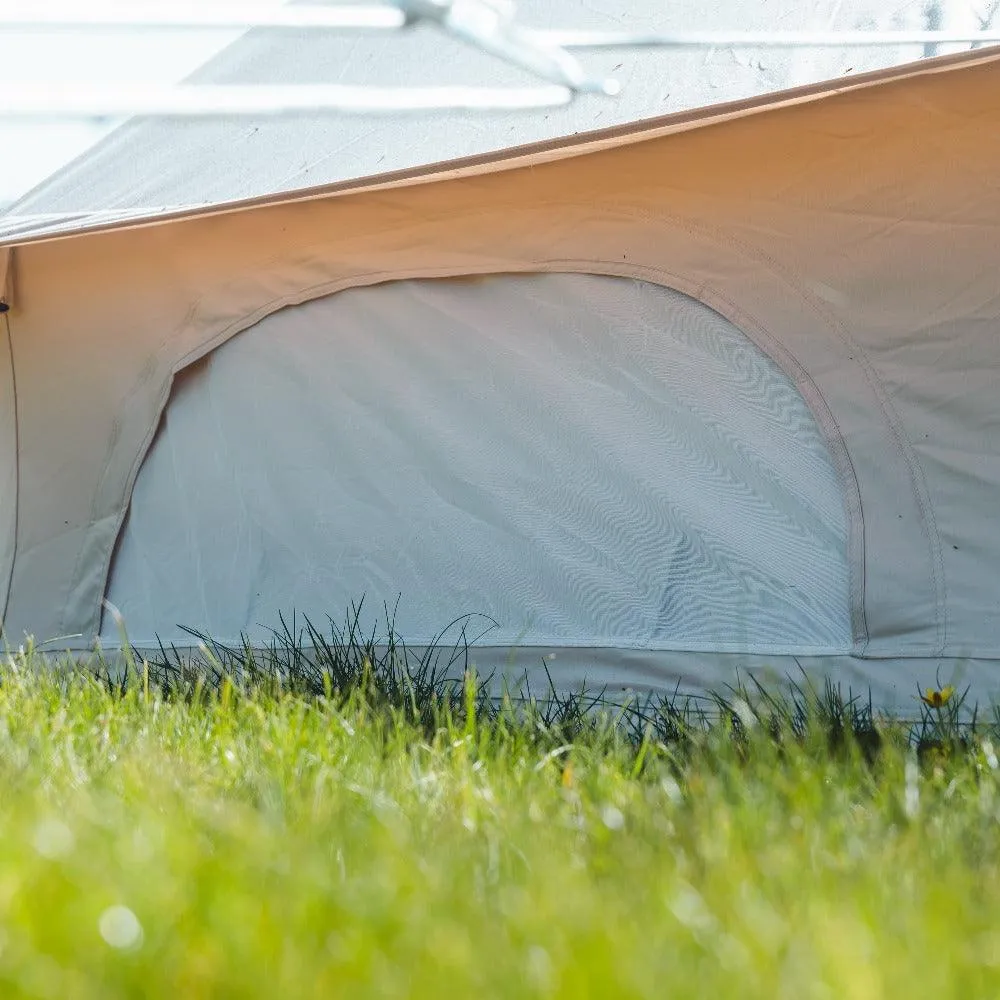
{"x":713,"y":391}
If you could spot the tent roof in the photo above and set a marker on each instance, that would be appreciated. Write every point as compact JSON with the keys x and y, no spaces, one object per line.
{"x":155,"y":169}
{"x":18,"y":229}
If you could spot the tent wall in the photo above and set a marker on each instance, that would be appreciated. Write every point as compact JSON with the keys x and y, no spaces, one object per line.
{"x":852,"y":239}
{"x":584,"y":461}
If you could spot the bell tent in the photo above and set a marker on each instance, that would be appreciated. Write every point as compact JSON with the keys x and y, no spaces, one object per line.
{"x":711,"y":392}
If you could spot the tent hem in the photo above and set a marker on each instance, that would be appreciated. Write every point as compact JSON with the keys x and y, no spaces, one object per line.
{"x":887,"y":683}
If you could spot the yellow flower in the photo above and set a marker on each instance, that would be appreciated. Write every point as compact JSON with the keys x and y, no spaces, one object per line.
{"x":937,"y":699}
{"x":567,"y":775}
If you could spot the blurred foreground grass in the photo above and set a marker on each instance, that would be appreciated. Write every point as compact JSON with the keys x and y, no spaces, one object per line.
{"x":227,"y":844}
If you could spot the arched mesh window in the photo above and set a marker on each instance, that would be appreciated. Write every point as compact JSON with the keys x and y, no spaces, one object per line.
{"x":592,"y":461}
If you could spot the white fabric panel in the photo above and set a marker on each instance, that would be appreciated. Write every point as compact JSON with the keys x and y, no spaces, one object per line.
{"x":592,"y":461}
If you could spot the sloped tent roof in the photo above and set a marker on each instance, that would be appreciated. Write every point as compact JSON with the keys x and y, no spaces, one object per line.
{"x":849,"y":231}
{"x":151,"y":166}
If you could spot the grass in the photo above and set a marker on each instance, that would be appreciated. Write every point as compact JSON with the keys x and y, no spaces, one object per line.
{"x":272,"y":828}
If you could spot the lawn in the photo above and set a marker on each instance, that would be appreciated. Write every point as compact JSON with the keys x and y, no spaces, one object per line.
{"x":245,"y":841}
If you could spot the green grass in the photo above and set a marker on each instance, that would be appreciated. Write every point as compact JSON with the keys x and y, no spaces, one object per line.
{"x":169,"y":840}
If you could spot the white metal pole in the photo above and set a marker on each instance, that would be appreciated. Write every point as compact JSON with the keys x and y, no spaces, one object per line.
{"x":758,"y":39}
{"x":51,"y":15}
{"x":45,"y":103}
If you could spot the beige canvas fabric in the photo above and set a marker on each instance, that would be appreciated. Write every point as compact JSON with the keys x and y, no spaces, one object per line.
{"x":851,"y":234}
